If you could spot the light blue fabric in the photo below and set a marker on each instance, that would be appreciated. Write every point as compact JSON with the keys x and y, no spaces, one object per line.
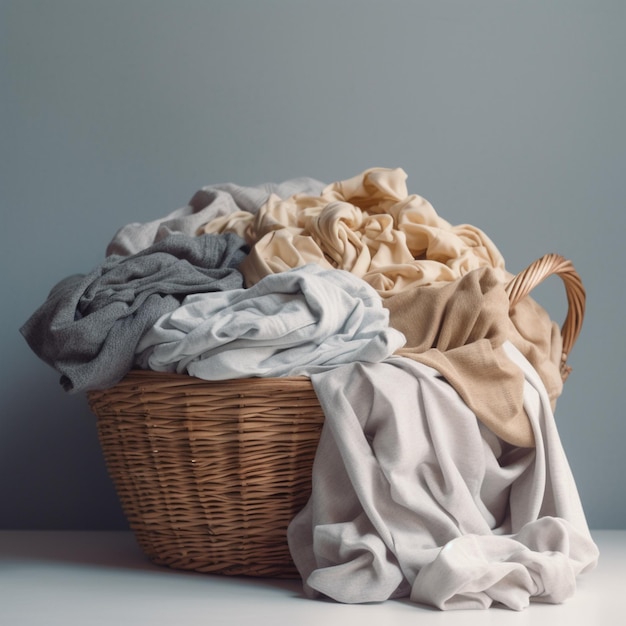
{"x":292,"y":323}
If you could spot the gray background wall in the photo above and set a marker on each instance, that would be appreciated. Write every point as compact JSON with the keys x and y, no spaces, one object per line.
{"x":505,"y":114}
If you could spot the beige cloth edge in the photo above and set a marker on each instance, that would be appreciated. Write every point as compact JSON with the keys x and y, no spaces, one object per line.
{"x":459,"y":328}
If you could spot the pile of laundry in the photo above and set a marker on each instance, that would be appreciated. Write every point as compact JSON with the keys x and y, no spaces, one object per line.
{"x":439,"y":475}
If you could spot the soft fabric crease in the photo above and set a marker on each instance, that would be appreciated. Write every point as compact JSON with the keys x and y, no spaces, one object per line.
{"x":369,"y":225}
{"x":409,"y":482}
{"x":219,"y":203}
{"x":292,"y":323}
{"x":90,"y":324}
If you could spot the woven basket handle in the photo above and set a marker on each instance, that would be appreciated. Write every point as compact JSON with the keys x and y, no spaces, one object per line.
{"x":537,"y":272}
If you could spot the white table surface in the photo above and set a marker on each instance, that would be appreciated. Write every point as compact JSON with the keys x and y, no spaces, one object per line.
{"x":102,"y":578}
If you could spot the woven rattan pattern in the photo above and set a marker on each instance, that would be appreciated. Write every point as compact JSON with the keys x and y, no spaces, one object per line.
{"x":210,"y":474}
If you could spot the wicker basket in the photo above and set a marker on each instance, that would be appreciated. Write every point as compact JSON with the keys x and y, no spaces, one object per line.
{"x":210,"y":474}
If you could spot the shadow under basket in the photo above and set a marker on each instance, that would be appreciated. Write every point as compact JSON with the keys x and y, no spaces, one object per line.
{"x":210,"y":474}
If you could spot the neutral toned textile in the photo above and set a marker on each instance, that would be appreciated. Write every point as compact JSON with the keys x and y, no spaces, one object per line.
{"x":209,"y":203}
{"x":459,"y":328}
{"x":294,"y":323}
{"x":413,"y":497}
{"x":89,"y":325}
{"x":368,"y":225}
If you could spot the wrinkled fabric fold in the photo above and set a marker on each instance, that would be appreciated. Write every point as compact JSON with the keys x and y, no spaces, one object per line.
{"x":368,"y":225}
{"x":89,"y":325}
{"x":290,"y":324}
{"x":459,"y":328}
{"x":404,"y":468}
{"x":541,"y":563}
{"x":213,"y":202}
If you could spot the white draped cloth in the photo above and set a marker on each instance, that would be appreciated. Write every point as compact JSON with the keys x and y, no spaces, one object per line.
{"x":413,"y":497}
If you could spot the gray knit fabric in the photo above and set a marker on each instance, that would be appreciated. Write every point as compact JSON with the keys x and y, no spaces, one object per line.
{"x":89,"y":326}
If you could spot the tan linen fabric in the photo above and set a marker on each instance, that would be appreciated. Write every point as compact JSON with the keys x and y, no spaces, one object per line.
{"x":459,"y":328}
{"x":368,"y":225}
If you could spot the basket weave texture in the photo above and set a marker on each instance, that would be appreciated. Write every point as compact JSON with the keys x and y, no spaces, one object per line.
{"x":210,"y":474}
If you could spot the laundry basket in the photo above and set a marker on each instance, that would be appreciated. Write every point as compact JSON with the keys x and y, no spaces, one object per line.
{"x":209,"y":474}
